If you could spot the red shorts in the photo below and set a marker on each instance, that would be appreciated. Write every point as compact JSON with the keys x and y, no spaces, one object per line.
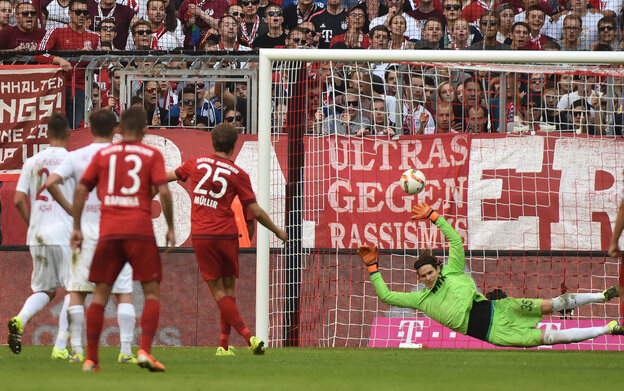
{"x":216,"y":258}
{"x":111,"y":255}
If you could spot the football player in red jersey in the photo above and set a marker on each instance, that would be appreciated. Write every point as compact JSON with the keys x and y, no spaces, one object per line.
{"x":124,"y":175}
{"x":216,"y":180}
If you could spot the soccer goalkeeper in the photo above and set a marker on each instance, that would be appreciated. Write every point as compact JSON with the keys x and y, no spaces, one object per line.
{"x":450,"y":297}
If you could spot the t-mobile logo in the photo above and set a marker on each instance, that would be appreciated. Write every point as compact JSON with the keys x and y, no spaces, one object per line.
{"x":409,"y":331}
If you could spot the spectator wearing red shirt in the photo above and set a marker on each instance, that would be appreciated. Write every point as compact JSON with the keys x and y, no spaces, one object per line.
{"x":354,"y":38}
{"x":425,"y":11}
{"x":198,"y":16}
{"x":6,"y":11}
{"x":217,"y":181}
{"x":25,"y":35}
{"x":124,"y":175}
{"x":473,"y":11}
{"x":73,"y":37}
{"x":535,"y":19}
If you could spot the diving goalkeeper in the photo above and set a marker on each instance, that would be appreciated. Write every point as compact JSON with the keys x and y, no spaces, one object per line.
{"x":450,"y":297}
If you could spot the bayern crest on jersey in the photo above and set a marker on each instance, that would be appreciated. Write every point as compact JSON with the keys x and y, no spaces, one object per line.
{"x":87,"y":44}
{"x":343,"y":25}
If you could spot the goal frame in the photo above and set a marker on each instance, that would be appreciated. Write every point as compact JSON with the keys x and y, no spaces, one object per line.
{"x":268,"y":56}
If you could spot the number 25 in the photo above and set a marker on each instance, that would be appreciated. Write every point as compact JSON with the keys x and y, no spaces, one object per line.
{"x":216,"y":178}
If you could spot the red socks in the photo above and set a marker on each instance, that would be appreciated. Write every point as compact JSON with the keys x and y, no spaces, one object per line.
{"x":149,"y":323}
{"x":95,"y":321}
{"x":229,"y":312}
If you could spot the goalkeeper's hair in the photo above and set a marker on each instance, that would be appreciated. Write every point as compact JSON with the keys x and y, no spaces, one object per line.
{"x":426,"y":258}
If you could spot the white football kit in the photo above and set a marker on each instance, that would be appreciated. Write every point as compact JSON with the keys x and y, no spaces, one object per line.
{"x":49,"y":226}
{"x":71,"y":170}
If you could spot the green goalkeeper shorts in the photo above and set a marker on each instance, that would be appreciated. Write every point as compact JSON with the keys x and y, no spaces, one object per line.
{"x":514,"y":321}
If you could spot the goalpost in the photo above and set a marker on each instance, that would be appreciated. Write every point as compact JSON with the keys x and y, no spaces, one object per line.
{"x":534,"y":201}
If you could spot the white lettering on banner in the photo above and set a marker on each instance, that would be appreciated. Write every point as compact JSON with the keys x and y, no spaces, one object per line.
{"x":522,"y":154}
{"x":407,"y":235}
{"x":579,"y":161}
{"x":28,"y":109}
{"x":359,"y":156}
{"x":30,"y":86}
{"x":407,"y":200}
{"x":334,"y":191}
{"x":36,"y":148}
{"x":6,"y":153}
{"x":366,"y":193}
{"x":11,"y":136}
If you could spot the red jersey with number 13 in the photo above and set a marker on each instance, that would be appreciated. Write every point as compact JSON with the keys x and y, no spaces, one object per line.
{"x":215,"y":182}
{"x":124,"y":174}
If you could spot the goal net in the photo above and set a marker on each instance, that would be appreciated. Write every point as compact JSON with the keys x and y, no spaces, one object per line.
{"x":524,"y":160}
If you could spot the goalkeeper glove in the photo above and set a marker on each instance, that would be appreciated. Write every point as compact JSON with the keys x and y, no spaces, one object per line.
{"x":368,"y":255}
{"x":424,"y":211}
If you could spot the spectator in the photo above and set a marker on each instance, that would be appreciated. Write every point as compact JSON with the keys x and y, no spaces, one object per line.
{"x":451,"y":10}
{"x":142,"y":35}
{"x":164,"y":37}
{"x":294,"y":15}
{"x":572,"y":29}
{"x":275,"y":36}
{"x":329,"y":22}
{"x":311,"y":35}
{"x":187,"y":103}
{"x":296,"y":39}
{"x":347,"y":120}
{"x":396,"y":8}
{"x":108,"y":31}
{"x":73,"y":37}
{"x":506,"y":19}
{"x":459,"y":35}
{"x":374,"y":9}
{"x":535,"y":18}
{"x":122,"y":15}
{"x":551,"y":114}
{"x":582,"y":119}
{"x":489,"y":28}
{"x":381,"y":125}
{"x":431,"y":34}
{"x":252,"y":26}
{"x":607,"y":33}
{"x":156,"y":116}
{"x":6,"y":13}
{"x":582,"y":89}
{"x":526,"y":4}
{"x":208,"y":108}
{"x":397,"y":31}
{"x":391,"y":80}
{"x":536,"y":85}
{"x":379,"y":38}
{"x":520,"y":34}
{"x":235,"y":118}
{"x":551,"y":45}
{"x":57,"y":14}
{"x":167,"y":97}
{"x":353,"y":37}
{"x":588,"y":25}
{"x":228,"y":31}
{"x":199,"y":17}
{"x":477,"y":119}
{"x":426,"y":11}
{"x":25,"y":36}
{"x":418,"y":120}
{"x":445,"y":92}
{"x":444,"y":118}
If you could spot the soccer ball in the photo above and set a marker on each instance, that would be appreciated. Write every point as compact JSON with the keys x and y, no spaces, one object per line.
{"x":412,"y":181}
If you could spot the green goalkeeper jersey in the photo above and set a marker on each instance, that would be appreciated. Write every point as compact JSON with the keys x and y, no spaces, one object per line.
{"x":450,"y":300}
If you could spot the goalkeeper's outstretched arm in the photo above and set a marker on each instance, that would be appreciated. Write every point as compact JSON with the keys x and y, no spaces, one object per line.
{"x":457,"y":259}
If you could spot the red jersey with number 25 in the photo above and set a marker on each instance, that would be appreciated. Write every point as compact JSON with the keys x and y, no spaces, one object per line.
{"x":124,"y":174}
{"x":215,"y":182}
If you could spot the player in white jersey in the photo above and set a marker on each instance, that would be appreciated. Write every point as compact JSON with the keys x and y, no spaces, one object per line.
{"x":69,"y":172}
{"x":48,"y":235}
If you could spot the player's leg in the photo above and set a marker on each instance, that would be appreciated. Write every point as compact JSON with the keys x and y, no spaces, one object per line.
{"x":60,"y":257}
{"x":105,"y":267}
{"x":569,"y":301}
{"x":126,"y":317}
{"x":76,"y":315}
{"x":43,"y":283}
{"x":145,"y":260}
{"x":552,"y":337}
{"x":217,"y":291}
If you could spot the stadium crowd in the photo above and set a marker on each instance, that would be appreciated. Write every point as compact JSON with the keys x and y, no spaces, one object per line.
{"x":380,"y":99}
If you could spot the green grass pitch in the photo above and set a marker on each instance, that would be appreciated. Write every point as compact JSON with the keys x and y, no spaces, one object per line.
{"x":323,"y":369}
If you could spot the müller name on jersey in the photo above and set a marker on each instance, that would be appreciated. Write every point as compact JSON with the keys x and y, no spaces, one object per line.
{"x":204,"y":201}
{"x":113,"y":200}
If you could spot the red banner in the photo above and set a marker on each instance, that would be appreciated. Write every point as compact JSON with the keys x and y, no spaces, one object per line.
{"x":28,"y":95}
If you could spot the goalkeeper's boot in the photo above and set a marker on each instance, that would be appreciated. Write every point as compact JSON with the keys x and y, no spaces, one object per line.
{"x":147,"y":361}
{"x":76,"y":358}
{"x":125,"y":359}
{"x":16,"y":329}
{"x":224,"y":352}
{"x":615,"y":328}
{"x":58,"y":354}
{"x":610,"y":293}
{"x":256,"y":345}
{"x":90,"y":366}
